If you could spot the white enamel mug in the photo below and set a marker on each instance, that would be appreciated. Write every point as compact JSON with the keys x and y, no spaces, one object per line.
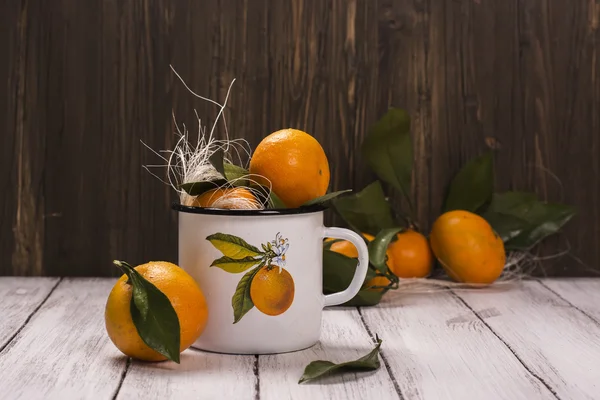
{"x":261,"y":272}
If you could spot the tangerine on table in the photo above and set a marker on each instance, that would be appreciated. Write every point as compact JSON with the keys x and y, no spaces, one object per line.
{"x":294,"y":164}
{"x":467,"y":247}
{"x":272,"y":290}
{"x":228,"y":198}
{"x":182,"y":291}
{"x":411,"y":255}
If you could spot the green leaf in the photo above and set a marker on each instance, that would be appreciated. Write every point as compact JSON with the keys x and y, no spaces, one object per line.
{"x":241,"y":300}
{"x":505,"y":225}
{"x":232,"y":246}
{"x":388,"y":149}
{"x":197,"y":188}
{"x":365,"y":298}
{"x":472,"y":187}
{"x":235,"y":266}
{"x":235,"y":174}
{"x":366,"y":211}
{"x":378,"y":248}
{"x":523,"y":221}
{"x":268,"y":197}
{"x":153,"y":315}
{"x":216,"y":160}
{"x":325,"y":198}
{"x":320,"y":368}
{"x":338,"y":271}
{"x":545,"y":219}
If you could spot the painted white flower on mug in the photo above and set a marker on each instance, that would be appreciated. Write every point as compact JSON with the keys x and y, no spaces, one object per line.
{"x":280,"y":247}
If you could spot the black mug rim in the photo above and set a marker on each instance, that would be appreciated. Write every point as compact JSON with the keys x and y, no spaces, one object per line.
{"x":245,"y":212}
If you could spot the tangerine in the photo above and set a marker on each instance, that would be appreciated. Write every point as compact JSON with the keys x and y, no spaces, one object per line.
{"x":294,"y":164}
{"x":411,"y":255}
{"x":467,"y":247}
{"x":272,"y":290}
{"x":182,"y":291}
{"x":228,"y":198}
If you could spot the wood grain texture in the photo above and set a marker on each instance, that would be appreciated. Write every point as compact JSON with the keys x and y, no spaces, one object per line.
{"x":200,"y":375}
{"x":550,"y":337}
{"x":19,"y":299}
{"x":64,"y":351}
{"x":582,"y":293}
{"x":343,"y":338}
{"x":437,"y":348}
{"x":83,"y":84}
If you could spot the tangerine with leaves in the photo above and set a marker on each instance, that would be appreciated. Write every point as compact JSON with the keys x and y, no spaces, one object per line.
{"x":410,"y":254}
{"x":227,"y":198}
{"x":272,"y":290}
{"x":467,"y":247}
{"x":294,"y":164}
{"x":185,"y":296}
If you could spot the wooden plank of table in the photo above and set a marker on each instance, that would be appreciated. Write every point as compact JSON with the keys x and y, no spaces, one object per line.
{"x":20,"y":297}
{"x":343,"y":338}
{"x":64,"y":351}
{"x":200,"y":375}
{"x":550,"y":337}
{"x":437,"y":348}
{"x":582,"y":293}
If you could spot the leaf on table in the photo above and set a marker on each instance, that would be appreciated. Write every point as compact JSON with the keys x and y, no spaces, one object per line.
{"x":388,"y":149}
{"x":472,"y":187}
{"x":197,"y":188}
{"x":241,"y":300}
{"x":233,"y":246}
{"x":153,"y":315}
{"x":378,"y":248}
{"x":367,"y":211}
{"x":320,"y":368}
{"x":325,"y":198}
{"x":235,"y":266}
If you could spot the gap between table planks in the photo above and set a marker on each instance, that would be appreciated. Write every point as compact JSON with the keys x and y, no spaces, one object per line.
{"x":463,"y":345}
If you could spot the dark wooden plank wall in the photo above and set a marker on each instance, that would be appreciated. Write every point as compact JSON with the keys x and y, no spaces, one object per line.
{"x":81,"y":83}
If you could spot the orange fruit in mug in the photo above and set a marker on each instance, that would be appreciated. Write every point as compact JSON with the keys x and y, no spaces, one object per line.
{"x":228,"y":198}
{"x":272,"y":290}
{"x":467,"y":247}
{"x":182,"y":291}
{"x":411,"y":255}
{"x":295,"y":165}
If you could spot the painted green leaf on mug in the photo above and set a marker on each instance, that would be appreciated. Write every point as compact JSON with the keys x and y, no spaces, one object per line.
{"x":321,"y":368}
{"x":472,"y":187}
{"x":232,"y":246}
{"x":325,"y":198}
{"x":235,"y":266}
{"x":388,"y":149}
{"x":366,"y":211}
{"x":378,"y":248}
{"x":241,"y":300}
{"x":153,"y":315}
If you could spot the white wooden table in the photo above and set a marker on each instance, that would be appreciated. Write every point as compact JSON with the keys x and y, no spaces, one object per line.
{"x":536,"y":340}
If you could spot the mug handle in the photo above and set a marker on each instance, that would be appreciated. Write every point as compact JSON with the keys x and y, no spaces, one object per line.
{"x":361,"y":269}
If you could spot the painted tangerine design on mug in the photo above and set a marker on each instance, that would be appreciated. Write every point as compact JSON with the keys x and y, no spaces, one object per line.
{"x":266,"y":285}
